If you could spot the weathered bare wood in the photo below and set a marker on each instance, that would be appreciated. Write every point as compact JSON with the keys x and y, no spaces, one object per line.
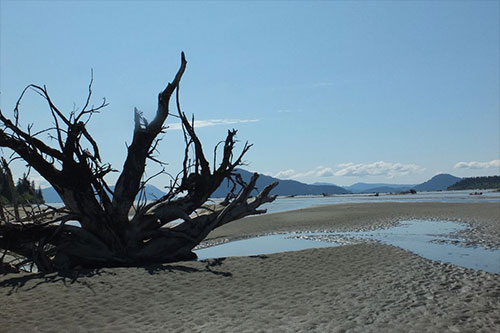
{"x":107,"y":237}
{"x":128,"y":183}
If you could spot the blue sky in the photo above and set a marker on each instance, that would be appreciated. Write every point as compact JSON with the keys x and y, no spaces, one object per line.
{"x":338,"y":92}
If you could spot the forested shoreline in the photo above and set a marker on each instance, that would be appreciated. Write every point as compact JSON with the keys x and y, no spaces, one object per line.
{"x":24,"y":191}
{"x":472,"y":183}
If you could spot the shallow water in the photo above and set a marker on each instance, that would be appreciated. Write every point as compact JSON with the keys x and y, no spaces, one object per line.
{"x":282,"y":204}
{"x":262,"y":245}
{"x":429,"y":239}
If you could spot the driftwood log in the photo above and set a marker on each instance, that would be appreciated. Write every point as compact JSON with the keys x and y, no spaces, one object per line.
{"x":108,"y":236}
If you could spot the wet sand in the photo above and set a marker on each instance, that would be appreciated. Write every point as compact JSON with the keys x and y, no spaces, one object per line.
{"x":354,"y":288}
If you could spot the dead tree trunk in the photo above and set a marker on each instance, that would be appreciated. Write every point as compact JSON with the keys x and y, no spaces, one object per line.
{"x":107,"y":236}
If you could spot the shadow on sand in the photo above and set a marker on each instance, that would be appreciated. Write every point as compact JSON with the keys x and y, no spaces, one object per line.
{"x":66,"y":277}
{"x":209,"y":264}
{"x":70,"y":277}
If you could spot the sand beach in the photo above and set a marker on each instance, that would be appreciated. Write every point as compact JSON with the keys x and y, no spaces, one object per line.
{"x":354,"y":288}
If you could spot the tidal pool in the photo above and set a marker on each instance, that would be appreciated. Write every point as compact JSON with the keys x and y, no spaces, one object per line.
{"x":430,"y":239}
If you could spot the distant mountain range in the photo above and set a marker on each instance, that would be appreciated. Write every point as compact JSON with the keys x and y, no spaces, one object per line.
{"x":382,"y":188}
{"x":288,"y":187}
{"x":285,"y":186}
{"x":439,"y":182}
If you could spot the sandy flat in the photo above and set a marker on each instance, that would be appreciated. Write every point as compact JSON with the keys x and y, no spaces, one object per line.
{"x":354,"y":288}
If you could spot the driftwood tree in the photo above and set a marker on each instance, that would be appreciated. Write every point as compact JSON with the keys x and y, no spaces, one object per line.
{"x":108,"y":236}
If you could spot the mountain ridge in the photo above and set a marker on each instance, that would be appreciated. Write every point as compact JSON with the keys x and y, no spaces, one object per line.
{"x":285,"y":186}
{"x":288,"y":187}
{"x":439,"y":182}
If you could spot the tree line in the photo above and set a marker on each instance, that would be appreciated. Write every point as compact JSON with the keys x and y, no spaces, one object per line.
{"x":23,"y":192}
{"x":472,"y":183}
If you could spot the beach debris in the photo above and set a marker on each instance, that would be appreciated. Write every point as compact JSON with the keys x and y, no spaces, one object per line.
{"x":106,"y":235}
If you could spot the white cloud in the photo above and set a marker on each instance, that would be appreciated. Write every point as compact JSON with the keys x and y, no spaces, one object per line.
{"x":317,"y":172}
{"x":285,"y":173}
{"x":381,"y":168}
{"x":478,"y":165}
{"x":345,"y":165}
{"x":213,"y":122}
{"x":324,"y":172}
